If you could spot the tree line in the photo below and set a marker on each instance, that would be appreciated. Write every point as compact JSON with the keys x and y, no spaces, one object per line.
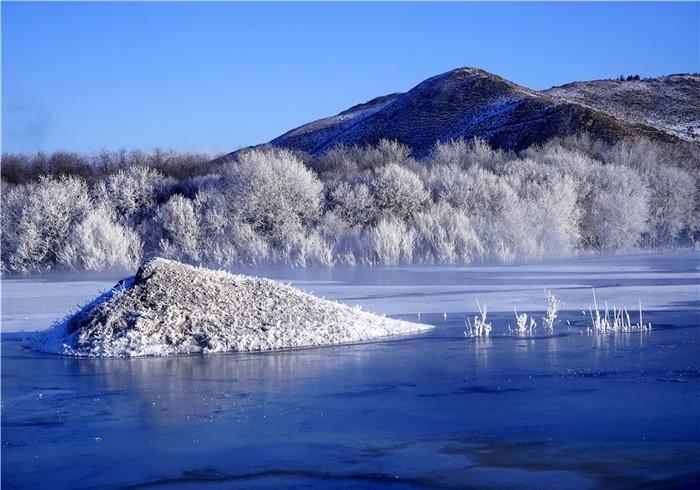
{"x":354,"y":205}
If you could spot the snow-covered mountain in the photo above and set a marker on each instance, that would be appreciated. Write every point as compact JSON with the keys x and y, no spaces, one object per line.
{"x":470,"y":102}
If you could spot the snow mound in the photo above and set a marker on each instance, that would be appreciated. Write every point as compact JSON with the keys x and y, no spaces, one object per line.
{"x":172,"y":308}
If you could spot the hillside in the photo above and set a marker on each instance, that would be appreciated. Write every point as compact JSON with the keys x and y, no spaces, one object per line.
{"x":670,"y":103}
{"x":469,"y":102}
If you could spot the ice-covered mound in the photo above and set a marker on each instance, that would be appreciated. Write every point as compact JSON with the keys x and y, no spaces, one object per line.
{"x":172,"y":308}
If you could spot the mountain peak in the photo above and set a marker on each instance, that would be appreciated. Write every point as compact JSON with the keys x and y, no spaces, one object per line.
{"x":468,"y":71}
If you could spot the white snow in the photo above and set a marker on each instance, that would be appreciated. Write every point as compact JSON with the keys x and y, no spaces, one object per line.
{"x":172,"y":308}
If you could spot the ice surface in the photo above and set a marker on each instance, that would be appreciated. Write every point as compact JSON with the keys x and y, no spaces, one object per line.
{"x":565,"y":410}
{"x":661,"y":282}
{"x":173,"y":308}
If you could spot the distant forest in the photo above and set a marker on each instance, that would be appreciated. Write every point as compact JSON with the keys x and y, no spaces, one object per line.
{"x":376,"y":205}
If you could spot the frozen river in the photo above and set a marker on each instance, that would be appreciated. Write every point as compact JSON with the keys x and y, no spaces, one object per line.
{"x":435,"y":410}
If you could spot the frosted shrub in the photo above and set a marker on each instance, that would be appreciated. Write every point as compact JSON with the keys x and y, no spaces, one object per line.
{"x":37,"y":220}
{"x":354,"y":204}
{"x":345,"y":241}
{"x":464,"y":202}
{"x":385,"y":152}
{"x":310,"y":249}
{"x":99,"y":243}
{"x":390,"y":242}
{"x":672,"y":203}
{"x":640,"y":154}
{"x":229,"y":240}
{"x":346,"y":163}
{"x":463,"y":153}
{"x":131,"y":192}
{"x":390,"y":151}
{"x":398,"y":191}
{"x":179,"y":224}
{"x":554,"y":154}
{"x":350,"y":248}
{"x":339,"y":163}
{"x":275,"y":193}
{"x":491,"y":205}
{"x":618,"y":209}
{"x":549,"y":201}
{"x":481,"y":154}
{"x":241,"y":245}
{"x":453,"y":185}
{"x":475,"y":191}
{"x":481,"y":327}
{"x":502,"y":224}
{"x":578,"y":166}
{"x":452,"y":152}
{"x":444,"y":235}
{"x":200,"y":183}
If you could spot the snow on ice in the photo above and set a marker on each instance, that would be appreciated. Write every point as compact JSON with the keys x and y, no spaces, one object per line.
{"x":172,"y":308}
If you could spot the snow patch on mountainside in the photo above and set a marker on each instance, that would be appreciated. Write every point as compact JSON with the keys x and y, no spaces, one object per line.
{"x":171,"y":308}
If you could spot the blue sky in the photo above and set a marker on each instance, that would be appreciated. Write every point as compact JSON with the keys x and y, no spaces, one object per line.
{"x":217,"y":76}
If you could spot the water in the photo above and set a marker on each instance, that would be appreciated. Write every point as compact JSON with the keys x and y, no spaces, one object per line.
{"x":435,"y":410}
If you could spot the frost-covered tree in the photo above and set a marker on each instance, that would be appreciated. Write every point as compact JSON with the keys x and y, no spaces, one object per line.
{"x":310,"y":248}
{"x":226,"y":239}
{"x":99,"y":243}
{"x":672,"y":203}
{"x":639,"y":154}
{"x":354,"y":203}
{"x":398,"y":191}
{"x":467,"y":153}
{"x":37,"y":219}
{"x":453,"y":185}
{"x":347,"y":162}
{"x":275,"y":193}
{"x":179,"y":224}
{"x":549,"y":201}
{"x":132,"y":192}
{"x":377,"y":205}
{"x":391,"y":242}
{"x":444,"y":235}
{"x":348,"y":247}
{"x":617,"y":211}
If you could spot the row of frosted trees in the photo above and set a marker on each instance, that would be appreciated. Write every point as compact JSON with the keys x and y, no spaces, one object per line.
{"x":374,"y":205}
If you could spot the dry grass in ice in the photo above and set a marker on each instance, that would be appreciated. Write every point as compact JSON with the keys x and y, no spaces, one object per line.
{"x":481,"y":327}
{"x":602,"y":322}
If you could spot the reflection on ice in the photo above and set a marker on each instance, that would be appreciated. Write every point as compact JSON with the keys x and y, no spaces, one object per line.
{"x":479,"y":349}
{"x":197,"y":385}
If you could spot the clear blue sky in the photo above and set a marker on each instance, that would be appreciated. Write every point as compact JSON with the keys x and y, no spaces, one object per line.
{"x":84,"y":76}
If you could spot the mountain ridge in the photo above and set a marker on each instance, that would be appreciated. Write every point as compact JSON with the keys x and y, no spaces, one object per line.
{"x":470,"y":102}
